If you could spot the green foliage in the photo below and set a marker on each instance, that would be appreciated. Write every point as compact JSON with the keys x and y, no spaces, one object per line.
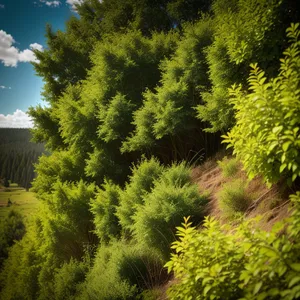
{"x":168,"y":110}
{"x":266,"y":135}
{"x":67,"y":221}
{"x":148,"y":16}
{"x":216,"y":109}
{"x":245,"y":263}
{"x":233,"y":197}
{"x":114,"y":120}
{"x":67,"y":279}
{"x":12,"y":229}
{"x":104,"y":210}
{"x":61,"y":231}
{"x":95,"y":117}
{"x":245,"y":31}
{"x":46,"y":128}
{"x":229,"y":166}
{"x":154,"y":201}
{"x":75,"y":125}
{"x":19,"y":275}
{"x":172,"y":197}
{"x":245,"y":26}
{"x":103,"y":163}
{"x":139,"y":184}
{"x":66,"y":60}
{"x":121,"y":271}
{"x":206,"y":263}
{"x":60,"y":166}
{"x":122,"y":83}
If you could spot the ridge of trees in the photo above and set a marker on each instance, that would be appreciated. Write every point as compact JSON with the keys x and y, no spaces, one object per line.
{"x":18,"y":156}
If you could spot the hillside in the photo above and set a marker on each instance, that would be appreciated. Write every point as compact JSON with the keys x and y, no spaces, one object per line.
{"x":270,"y":203}
{"x":267,"y":206}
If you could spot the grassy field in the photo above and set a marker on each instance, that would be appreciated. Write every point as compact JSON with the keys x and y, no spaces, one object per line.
{"x":22,"y":201}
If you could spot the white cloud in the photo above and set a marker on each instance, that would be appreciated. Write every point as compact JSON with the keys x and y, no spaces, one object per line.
{"x":73,"y":2}
{"x":5,"y":87}
{"x":36,"y":46}
{"x":54,"y":3}
{"x":10,"y":55}
{"x":18,"y":119}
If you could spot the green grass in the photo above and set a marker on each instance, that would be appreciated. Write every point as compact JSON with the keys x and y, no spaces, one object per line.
{"x":22,"y":201}
{"x":233,"y":197}
{"x":229,"y":166}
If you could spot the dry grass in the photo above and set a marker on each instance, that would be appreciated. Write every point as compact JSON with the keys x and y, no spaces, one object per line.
{"x":270,"y":203}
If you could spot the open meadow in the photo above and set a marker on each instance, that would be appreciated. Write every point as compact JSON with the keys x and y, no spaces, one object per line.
{"x":22,"y":201}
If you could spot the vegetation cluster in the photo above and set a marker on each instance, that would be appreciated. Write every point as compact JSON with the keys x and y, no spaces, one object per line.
{"x":127,"y":117}
{"x":247,"y":263}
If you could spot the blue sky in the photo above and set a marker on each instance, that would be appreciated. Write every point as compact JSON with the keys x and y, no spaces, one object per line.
{"x":22,"y":28}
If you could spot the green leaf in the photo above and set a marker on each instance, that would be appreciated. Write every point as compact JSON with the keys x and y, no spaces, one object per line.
{"x":273,"y":292}
{"x":257,"y":287}
{"x":277,"y":129}
{"x":286,"y":145}
{"x":205,"y":280}
{"x":294,"y":177}
{"x":207,"y":289}
{"x":272,"y":146}
{"x":282,"y":167}
{"x":294,"y":281}
{"x":295,"y":266}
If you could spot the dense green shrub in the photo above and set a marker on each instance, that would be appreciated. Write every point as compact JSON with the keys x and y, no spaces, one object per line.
{"x":19,"y":275}
{"x":139,"y":184}
{"x":121,"y":271}
{"x":67,"y":279}
{"x":245,"y":263}
{"x":233,"y":197}
{"x":172,"y":197}
{"x":12,"y":229}
{"x":104,"y":208}
{"x":66,"y":220}
{"x":206,"y":263}
{"x":244,"y":31}
{"x":229,"y":166}
{"x":266,"y":135}
{"x":168,"y":109}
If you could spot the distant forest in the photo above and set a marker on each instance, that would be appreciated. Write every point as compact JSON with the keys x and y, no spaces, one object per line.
{"x":18,"y":156}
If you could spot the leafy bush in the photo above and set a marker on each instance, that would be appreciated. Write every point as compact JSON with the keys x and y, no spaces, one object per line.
{"x":206,"y":263}
{"x":168,"y":110}
{"x":237,"y":41}
{"x":104,"y":209}
{"x":229,"y":166}
{"x":68,"y":278}
{"x":266,"y":136}
{"x":12,"y":229}
{"x":154,"y":202}
{"x":172,"y":197}
{"x":246,"y":263}
{"x":233,"y":197}
{"x":66,"y":221}
{"x":19,"y":275}
{"x":121,"y":271}
{"x":140,"y":183}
